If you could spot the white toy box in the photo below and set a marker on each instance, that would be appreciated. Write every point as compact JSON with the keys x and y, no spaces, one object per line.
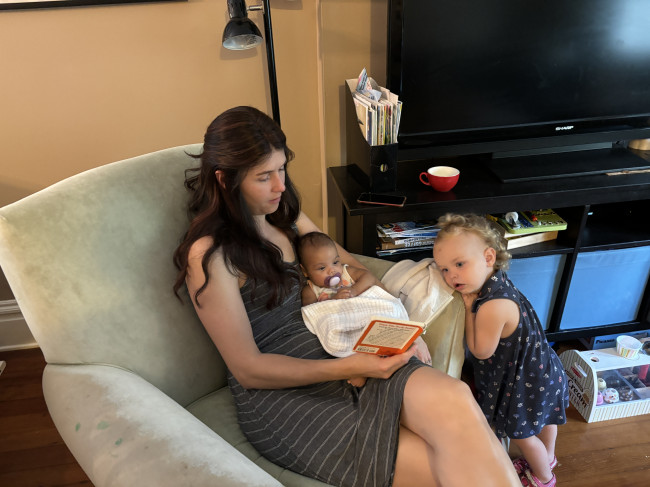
{"x":626,"y":383}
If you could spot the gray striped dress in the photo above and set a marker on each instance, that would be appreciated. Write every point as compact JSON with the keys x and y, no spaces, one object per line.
{"x":330,"y":431}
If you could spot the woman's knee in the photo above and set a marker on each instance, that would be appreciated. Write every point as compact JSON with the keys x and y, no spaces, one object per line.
{"x":438,"y":393}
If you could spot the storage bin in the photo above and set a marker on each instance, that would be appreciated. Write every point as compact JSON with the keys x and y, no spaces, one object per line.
{"x":538,"y":279}
{"x":607,"y":287}
{"x":609,"y":341}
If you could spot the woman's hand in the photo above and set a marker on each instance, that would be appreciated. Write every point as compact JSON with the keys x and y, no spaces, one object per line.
{"x":369,"y":365}
{"x":422,"y":351}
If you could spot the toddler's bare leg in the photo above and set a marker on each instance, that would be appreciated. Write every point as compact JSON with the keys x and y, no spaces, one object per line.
{"x":548,"y":435}
{"x":534,"y":452}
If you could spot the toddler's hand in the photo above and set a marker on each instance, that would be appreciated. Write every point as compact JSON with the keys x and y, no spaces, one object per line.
{"x":469,"y":300}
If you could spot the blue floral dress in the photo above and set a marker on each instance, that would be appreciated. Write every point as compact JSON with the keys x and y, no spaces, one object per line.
{"x":523,"y":386}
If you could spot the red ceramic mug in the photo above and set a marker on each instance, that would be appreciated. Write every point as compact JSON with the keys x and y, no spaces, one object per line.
{"x":440,"y":178}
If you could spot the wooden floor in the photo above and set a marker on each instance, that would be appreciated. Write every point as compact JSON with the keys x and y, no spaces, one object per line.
{"x":32,"y":454}
{"x":610,"y":453}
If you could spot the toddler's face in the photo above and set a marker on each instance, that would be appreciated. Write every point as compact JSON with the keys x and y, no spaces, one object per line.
{"x":465,"y":261}
{"x":319,"y":263}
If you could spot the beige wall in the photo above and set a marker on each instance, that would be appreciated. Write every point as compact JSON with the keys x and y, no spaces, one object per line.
{"x":353,"y":37}
{"x":85,"y":86}
{"x":82,"y":87}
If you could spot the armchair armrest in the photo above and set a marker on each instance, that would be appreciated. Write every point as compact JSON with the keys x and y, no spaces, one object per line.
{"x":124,"y":432}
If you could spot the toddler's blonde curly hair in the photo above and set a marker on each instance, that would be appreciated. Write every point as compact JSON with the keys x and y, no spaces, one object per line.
{"x":453,"y":224}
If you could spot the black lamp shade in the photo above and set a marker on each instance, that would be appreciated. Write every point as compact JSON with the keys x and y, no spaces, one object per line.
{"x":241,"y":33}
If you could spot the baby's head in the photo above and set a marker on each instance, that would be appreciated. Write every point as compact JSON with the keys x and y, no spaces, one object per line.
{"x":467,"y":250}
{"x":319,"y":259}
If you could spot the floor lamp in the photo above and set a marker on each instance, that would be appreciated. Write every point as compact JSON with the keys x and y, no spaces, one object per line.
{"x":242,"y":33}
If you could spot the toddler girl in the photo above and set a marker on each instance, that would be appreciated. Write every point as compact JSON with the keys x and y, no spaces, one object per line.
{"x":520,"y":381}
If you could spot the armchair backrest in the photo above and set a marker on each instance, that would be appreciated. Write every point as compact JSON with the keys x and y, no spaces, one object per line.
{"x":89,"y":261}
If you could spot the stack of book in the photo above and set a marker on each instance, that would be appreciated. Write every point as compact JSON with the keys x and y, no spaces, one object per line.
{"x":521,"y":229}
{"x":409,"y":236}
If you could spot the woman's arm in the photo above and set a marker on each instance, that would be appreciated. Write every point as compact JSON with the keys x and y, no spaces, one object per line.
{"x":223,"y":315}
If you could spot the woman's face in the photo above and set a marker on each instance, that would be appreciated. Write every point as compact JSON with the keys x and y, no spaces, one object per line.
{"x":263,"y":185}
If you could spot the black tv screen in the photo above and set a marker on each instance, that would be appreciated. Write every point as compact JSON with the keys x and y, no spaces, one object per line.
{"x":499,"y":75}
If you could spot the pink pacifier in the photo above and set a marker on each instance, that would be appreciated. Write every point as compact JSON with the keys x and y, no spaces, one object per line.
{"x":332,"y":281}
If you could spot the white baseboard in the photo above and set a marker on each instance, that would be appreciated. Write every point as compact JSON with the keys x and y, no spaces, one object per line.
{"x":14,"y":332}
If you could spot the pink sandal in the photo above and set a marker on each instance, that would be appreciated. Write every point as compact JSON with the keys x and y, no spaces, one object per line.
{"x":528,"y":479}
{"x":521,"y":464}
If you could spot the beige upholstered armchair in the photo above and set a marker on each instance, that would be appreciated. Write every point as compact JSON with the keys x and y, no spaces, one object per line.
{"x":133,"y":382}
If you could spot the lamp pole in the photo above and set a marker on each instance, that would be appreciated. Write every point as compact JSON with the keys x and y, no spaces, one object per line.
{"x":242,"y":33}
{"x":270,"y":59}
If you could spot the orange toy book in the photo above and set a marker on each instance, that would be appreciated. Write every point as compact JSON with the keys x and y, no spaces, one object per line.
{"x":388,"y":336}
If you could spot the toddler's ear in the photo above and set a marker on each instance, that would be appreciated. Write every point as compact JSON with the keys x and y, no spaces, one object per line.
{"x":302,"y":268}
{"x":490,"y":256}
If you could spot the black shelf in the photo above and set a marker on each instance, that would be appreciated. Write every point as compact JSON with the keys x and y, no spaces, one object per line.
{"x":603,"y":212}
{"x":617,"y":225}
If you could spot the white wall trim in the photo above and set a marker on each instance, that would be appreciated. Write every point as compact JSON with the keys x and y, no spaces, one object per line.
{"x":14,"y":332}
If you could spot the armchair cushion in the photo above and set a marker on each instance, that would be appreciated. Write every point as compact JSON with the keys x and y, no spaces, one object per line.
{"x":123,"y":431}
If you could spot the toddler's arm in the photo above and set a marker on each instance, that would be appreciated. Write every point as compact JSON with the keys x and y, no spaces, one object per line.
{"x":483,"y":330}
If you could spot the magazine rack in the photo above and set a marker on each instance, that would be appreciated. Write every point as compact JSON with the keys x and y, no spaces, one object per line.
{"x":378,"y":162}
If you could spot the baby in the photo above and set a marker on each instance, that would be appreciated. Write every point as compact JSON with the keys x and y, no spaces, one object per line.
{"x":327,"y":277}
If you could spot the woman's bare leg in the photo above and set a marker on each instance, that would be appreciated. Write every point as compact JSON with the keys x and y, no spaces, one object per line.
{"x":414,"y":464}
{"x":463,"y":449}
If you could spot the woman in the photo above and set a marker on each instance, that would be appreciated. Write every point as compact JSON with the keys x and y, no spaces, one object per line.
{"x":409,"y":425}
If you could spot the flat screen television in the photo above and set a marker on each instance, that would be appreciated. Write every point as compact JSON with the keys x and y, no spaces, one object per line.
{"x":511,"y":78}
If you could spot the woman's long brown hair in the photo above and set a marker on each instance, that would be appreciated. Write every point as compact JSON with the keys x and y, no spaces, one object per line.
{"x":236,"y":141}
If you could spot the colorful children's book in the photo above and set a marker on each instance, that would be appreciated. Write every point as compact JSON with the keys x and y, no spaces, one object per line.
{"x":388,"y":336}
{"x":520,"y":222}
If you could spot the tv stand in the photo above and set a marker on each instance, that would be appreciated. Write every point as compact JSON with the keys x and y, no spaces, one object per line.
{"x":557,"y":165}
{"x":606,"y":214}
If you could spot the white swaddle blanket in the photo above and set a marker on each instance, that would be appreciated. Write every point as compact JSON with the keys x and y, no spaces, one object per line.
{"x":338,"y":323}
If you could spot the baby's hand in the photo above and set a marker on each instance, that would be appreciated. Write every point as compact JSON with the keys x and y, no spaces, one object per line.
{"x":357,"y":381}
{"x":343,"y":293}
{"x":422,"y":351}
